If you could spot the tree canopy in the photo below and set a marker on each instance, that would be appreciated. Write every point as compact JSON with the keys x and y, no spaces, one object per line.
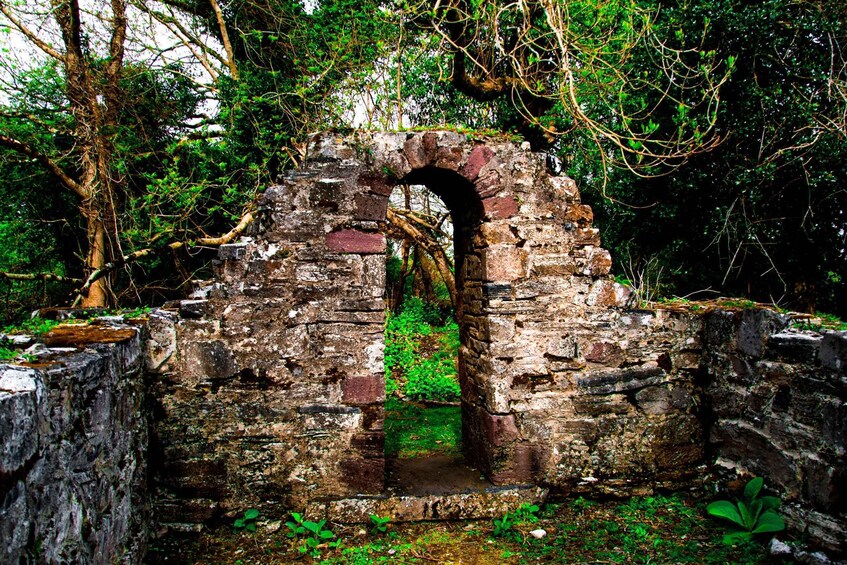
{"x":709,"y":135}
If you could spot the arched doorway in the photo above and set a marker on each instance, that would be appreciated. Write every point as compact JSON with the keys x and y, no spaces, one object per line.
{"x":415,"y":456}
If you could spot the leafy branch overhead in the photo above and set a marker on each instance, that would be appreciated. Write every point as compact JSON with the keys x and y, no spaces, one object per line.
{"x":572,"y":65}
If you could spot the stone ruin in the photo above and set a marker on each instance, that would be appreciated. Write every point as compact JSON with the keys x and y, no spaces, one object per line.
{"x":268,"y":390}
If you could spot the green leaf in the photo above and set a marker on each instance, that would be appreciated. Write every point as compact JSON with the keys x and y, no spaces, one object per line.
{"x":726,"y":510}
{"x":736,"y":537}
{"x":755,"y":511}
{"x":239,"y":523}
{"x":752,"y":489}
{"x":770,"y":502}
{"x":326,"y":534}
{"x":746,"y":516}
{"x":251,"y":527}
{"x":769,"y":521}
{"x":251,"y":514}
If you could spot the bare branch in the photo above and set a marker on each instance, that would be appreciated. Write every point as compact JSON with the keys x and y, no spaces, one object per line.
{"x":48,"y":163}
{"x":98,"y":274}
{"x":37,"y":41}
{"x":233,"y":69}
{"x":38,"y":277}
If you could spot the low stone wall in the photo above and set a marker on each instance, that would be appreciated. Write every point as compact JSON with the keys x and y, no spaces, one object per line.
{"x":778,"y":401}
{"x":73,"y":480}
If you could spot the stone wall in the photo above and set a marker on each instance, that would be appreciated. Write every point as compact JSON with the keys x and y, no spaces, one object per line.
{"x":73,"y":480}
{"x":271,"y":388}
{"x":270,"y":385}
{"x":778,"y":401}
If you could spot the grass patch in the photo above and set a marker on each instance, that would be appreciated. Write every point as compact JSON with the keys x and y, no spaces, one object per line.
{"x":414,"y":430}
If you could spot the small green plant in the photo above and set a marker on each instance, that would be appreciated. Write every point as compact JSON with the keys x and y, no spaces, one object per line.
{"x":505,"y":526}
{"x":247,"y":522}
{"x":502,"y":526}
{"x":34,"y":326}
{"x":379,"y":525}
{"x":754,"y":514}
{"x":313,"y":535}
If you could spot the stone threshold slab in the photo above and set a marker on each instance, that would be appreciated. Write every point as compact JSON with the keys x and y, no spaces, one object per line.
{"x":433,"y":488}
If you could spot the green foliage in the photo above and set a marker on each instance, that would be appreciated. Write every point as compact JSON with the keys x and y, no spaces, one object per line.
{"x":247,"y":522}
{"x":761,"y":215}
{"x":823,"y":322}
{"x":7,"y":354}
{"x":506,"y":526}
{"x":753,"y":514}
{"x":313,"y":536}
{"x":427,"y":375}
{"x":379,"y":525}
{"x":34,"y":326}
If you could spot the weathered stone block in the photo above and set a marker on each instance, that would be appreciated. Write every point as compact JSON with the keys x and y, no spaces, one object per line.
{"x":590,"y":405}
{"x":605,"y":353}
{"x":563,"y":347}
{"x":755,"y":328}
{"x":519,"y":465}
{"x":504,"y":263}
{"x":209,"y":360}
{"x":366,"y":389}
{"x":823,"y":484}
{"x":232,"y":251}
{"x":369,"y":444}
{"x":833,"y":351}
{"x":498,"y":429}
{"x":355,"y":241}
{"x":500,"y":207}
{"x":377,"y":184}
{"x":654,"y":400}
{"x":371,"y":207}
{"x":579,"y":214}
{"x":365,"y":476}
{"x":737,"y":441}
{"x":494,"y":233}
{"x":622,"y":380}
{"x":449,"y":158}
{"x":794,"y":347}
{"x":21,"y":393}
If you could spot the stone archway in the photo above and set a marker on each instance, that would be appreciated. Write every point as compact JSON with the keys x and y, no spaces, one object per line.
{"x":276,"y":399}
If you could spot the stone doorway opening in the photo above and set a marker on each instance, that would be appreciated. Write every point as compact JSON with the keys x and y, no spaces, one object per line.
{"x":433,"y":283}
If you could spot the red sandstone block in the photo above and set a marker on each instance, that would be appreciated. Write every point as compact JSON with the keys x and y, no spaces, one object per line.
{"x":364,"y":476}
{"x":363,"y":389}
{"x":519,"y":467}
{"x":500,"y":208}
{"x":499,"y":430}
{"x":378,"y":184}
{"x":609,"y":354}
{"x":478,"y":158}
{"x":355,"y":241}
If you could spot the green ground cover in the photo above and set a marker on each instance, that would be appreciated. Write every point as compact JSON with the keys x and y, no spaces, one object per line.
{"x":650,"y":529}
